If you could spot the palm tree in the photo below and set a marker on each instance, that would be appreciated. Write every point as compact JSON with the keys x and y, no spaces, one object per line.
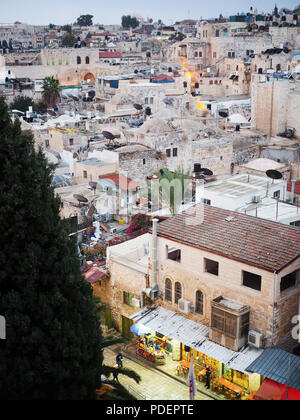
{"x":50,"y":90}
{"x":171,"y":189}
{"x":119,"y":392}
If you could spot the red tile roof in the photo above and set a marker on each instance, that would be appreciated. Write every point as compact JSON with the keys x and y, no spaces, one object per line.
{"x":297,"y":187}
{"x":110,"y":54}
{"x":93,"y":275}
{"x":254,"y":241}
{"x":121,"y":181}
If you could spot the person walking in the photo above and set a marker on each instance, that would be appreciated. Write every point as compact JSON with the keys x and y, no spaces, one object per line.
{"x":119,"y":360}
{"x":116,"y":374}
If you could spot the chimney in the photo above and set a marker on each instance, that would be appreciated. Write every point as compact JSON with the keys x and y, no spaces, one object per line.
{"x":154,"y":253}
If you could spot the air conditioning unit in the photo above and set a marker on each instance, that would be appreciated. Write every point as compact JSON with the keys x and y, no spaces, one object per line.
{"x":256,"y":199}
{"x":136,"y":303}
{"x":255,"y":339}
{"x":152,"y":294}
{"x":185,"y":306}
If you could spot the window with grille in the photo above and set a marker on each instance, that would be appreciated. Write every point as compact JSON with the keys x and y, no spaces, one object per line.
{"x":199,"y":303}
{"x":244,"y":325}
{"x":168,"y":290}
{"x":178,"y":292}
{"x":224,"y":322}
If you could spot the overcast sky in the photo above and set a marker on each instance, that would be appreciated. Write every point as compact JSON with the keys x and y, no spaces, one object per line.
{"x":109,"y":12}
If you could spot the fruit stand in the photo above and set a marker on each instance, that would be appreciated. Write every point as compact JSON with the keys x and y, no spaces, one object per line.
{"x":152,"y":353}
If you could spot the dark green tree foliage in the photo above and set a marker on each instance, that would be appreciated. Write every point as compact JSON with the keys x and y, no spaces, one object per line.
{"x":53,"y":345}
{"x":129,"y":22}
{"x":85,"y":20}
{"x":22,"y":103}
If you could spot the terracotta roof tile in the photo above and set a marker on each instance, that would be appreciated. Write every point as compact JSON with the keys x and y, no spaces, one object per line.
{"x":254,"y":241}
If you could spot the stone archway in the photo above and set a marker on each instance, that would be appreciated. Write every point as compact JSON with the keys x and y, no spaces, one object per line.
{"x":89,"y":77}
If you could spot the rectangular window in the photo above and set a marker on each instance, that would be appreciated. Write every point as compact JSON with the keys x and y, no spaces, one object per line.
{"x":277,"y":194}
{"x":288,"y":281}
{"x":151,"y":101}
{"x":211,"y":267}
{"x":206,"y":201}
{"x":253,"y":281}
{"x":85,"y":174}
{"x":127,"y":298}
{"x":146,"y":101}
{"x":175,"y":152}
{"x":168,"y":152}
{"x":174,"y":254}
{"x":71,"y":142}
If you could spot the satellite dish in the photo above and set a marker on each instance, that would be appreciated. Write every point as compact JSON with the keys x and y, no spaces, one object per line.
{"x":200,"y":176}
{"x":80,"y":198}
{"x":138,"y":107}
{"x":108,"y":135}
{"x":205,"y":171}
{"x":274,"y":174}
{"x":168,"y":101}
{"x":93,"y":185}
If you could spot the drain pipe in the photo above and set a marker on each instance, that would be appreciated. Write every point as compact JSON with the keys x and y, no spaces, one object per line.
{"x":154,"y":253}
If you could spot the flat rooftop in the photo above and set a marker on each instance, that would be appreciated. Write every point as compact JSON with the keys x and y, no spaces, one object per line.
{"x":240,"y":185}
{"x":95,"y":162}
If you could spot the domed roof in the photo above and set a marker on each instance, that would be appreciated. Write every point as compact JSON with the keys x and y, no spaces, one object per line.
{"x":155,"y":126}
{"x":122,"y":99}
{"x":59,"y":181}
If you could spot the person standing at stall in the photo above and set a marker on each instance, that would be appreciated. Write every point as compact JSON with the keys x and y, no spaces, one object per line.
{"x":207,"y":378}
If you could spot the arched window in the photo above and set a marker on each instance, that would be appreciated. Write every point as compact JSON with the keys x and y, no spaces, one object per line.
{"x":87,"y":60}
{"x":199,"y":303}
{"x":168,"y":290}
{"x":78,"y":60}
{"x":178,"y":292}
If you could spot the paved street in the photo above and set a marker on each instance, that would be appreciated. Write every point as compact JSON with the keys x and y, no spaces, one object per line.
{"x":154,"y":385}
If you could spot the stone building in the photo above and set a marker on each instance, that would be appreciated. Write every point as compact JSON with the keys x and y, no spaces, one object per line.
{"x":194,"y":273}
{"x":193,"y":257}
{"x":90,"y":170}
{"x":275,"y":105}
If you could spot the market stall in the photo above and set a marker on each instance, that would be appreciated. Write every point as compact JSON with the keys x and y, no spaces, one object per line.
{"x":150,"y":346}
{"x":152,"y":352}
